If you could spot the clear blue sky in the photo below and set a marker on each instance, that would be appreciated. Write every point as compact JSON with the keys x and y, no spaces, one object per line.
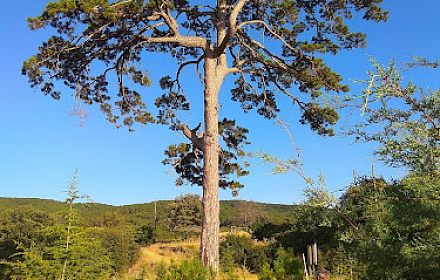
{"x":41,"y":145}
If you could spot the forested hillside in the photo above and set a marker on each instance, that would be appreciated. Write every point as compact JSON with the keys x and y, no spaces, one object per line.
{"x":232,"y":212}
{"x":53,"y":206}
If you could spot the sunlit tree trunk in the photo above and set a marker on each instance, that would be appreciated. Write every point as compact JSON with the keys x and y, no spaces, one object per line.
{"x":214,"y":70}
{"x":210,"y":221}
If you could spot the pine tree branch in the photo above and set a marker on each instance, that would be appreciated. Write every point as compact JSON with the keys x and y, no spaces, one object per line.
{"x":183,"y":41}
{"x":231,"y":30}
{"x":192,"y":135}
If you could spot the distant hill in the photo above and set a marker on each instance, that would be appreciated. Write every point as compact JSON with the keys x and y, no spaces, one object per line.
{"x":232,"y":212}
{"x":40,"y":204}
{"x":53,"y":206}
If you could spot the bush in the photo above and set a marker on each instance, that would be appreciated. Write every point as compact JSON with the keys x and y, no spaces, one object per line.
{"x":269,"y":230}
{"x":266,"y":273}
{"x":239,"y":250}
{"x":35,"y":245}
{"x":118,"y":243}
{"x":285,"y":267}
{"x":19,"y":229}
{"x":187,"y":270}
{"x":145,"y":235}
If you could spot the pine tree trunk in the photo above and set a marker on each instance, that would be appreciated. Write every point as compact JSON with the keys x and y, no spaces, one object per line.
{"x":214,"y":70}
{"x":209,"y":246}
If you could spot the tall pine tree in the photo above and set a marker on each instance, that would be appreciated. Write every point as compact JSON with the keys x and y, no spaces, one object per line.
{"x":272,"y":47}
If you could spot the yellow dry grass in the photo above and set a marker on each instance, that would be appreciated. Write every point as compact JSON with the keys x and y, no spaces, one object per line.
{"x":152,"y":256}
{"x":241,"y":232}
{"x":155,"y":254}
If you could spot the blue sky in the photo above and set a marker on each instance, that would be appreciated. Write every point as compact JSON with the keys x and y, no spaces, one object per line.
{"x":41,"y":145}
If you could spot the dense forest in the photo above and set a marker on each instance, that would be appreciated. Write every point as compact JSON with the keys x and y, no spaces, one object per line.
{"x":235,"y":213}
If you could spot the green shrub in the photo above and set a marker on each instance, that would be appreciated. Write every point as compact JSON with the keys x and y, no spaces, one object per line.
{"x":145,"y":235}
{"x":34,"y":245}
{"x":269,"y":230}
{"x":20,"y":228}
{"x":187,"y":270}
{"x":285,"y":267}
{"x":118,"y":245}
{"x":239,"y":250}
{"x":266,"y":273}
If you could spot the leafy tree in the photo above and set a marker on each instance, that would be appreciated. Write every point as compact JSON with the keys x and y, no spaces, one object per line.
{"x":185,"y":212}
{"x":379,"y":229}
{"x":120,"y":249}
{"x":395,"y":233}
{"x":270,"y":47}
{"x":403,"y":118}
{"x":117,"y":238}
{"x":408,"y":116}
{"x":66,"y":252}
{"x":38,"y":246}
{"x":247,"y":213}
{"x":415,"y":206}
{"x":86,"y":258}
{"x":240,"y":250}
{"x":285,"y":267}
{"x":401,"y":220}
{"x":366,"y":205}
{"x":19,"y":229}
{"x":145,"y":235}
{"x":267,"y":230}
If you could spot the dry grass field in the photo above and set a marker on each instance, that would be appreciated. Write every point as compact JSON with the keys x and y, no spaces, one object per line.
{"x":152,"y":256}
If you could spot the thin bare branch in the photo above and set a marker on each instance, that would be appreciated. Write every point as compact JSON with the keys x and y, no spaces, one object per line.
{"x":183,"y":65}
{"x":268,"y":28}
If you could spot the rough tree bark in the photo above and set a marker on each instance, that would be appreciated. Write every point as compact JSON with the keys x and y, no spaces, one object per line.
{"x":210,"y":221}
{"x":214,"y":66}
